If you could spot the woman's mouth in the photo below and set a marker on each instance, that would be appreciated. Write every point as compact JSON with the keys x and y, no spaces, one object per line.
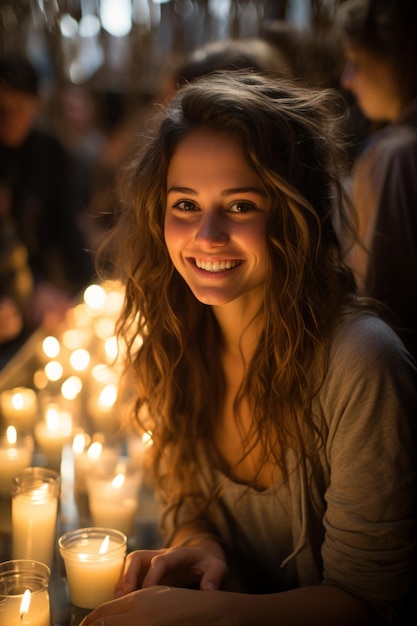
{"x":216,"y":266}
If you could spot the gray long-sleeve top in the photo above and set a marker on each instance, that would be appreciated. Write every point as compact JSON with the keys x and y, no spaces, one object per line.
{"x":353,"y":521}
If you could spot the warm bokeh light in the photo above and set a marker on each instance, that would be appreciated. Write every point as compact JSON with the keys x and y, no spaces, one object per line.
{"x":71,"y":387}
{"x":53,"y":370}
{"x":80,"y":359}
{"x":95,"y":297}
{"x":51,"y":347}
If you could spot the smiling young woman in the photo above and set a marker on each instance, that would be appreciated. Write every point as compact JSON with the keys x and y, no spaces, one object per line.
{"x":282,"y":406}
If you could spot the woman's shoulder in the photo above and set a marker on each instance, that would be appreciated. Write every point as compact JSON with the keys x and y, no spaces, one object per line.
{"x":369,"y":369}
{"x":362,"y":339}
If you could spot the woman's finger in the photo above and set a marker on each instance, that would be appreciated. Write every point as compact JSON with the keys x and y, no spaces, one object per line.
{"x":136,"y":565}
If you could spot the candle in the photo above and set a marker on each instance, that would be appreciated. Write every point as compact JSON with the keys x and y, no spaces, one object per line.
{"x":87,"y":454}
{"x":19,"y":407}
{"x":35,"y":493}
{"x":16,"y":450}
{"x":24,"y":598}
{"x":113,"y":494}
{"x":53,"y":433}
{"x":101,"y":406}
{"x":93,"y":559}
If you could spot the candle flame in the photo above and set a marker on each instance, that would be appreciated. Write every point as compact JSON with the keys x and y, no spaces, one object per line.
{"x":52,"y":418}
{"x":17,"y":401}
{"x":105,"y":545}
{"x":41,"y":494}
{"x":51,"y":347}
{"x":108,"y":396}
{"x":79,"y":443}
{"x":25,"y":604}
{"x":95,"y":450}
{"x":118,"y":481}
{"x":11,"y":435}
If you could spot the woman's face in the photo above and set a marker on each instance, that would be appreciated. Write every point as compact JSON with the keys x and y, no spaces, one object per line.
{"x":373,"y":83}
{"x":216,"y":219}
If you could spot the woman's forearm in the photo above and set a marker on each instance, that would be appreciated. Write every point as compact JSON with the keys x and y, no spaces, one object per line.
{"x":318,"y":605}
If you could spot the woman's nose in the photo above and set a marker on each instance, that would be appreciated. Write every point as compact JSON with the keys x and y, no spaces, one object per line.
{"x":212,"y":230}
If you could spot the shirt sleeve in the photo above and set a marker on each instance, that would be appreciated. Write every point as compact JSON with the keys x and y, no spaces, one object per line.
{"x":370,"y":520}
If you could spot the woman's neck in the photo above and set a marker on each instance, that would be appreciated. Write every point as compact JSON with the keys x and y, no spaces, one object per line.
{"x":241,"y":328}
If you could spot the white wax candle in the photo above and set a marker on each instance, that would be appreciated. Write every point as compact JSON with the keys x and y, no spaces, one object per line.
{"x":19,"y":406}
{"x":86,"y":458}
{"x":92,"y":576}
{"x":33,"y":526}
{"x":53,"y":433}
{"x":101,"y":406}
{"x":119,"y":515}
{"x":38,"y":613}
{"x":113,"y":495}
{"x":15,"y":454}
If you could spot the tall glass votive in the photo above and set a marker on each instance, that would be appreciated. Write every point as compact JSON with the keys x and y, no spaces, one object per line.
{"x":93,"y":559}
{"x":16,"y":452}
{"x":35,"y":492}
{"x":24,"y":596}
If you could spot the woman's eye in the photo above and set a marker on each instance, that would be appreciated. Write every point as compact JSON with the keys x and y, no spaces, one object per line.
{"x":185,"y":205}
{"x":242,"y":207}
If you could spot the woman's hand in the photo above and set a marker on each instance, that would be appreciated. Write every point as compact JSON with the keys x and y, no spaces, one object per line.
{"x":160,"y":606}
{"x":177,"y":566}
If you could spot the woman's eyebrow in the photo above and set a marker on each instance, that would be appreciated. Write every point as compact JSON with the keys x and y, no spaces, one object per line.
{"x":226,"y":192}
{"x":236,"y":190}
{"x":176,"y":189}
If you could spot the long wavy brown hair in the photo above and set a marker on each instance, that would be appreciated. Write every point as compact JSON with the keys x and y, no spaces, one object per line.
{"x":291,"y":139}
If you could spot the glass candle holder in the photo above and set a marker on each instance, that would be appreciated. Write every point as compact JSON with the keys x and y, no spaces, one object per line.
{"x":16,"y":452}
{"x":19,"y":406}
{"x":24,"y":596}
{"x":35,"y":492}
{"x":93,"y":560}
{"x":113,"y":494}
{"x":52,"y":433}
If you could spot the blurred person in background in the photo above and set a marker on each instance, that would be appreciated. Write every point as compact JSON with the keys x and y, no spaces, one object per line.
{"x":77,"y":127}
{"x":380,"y":38}
{"x":229,"y":54}
{"x":44,"y":259}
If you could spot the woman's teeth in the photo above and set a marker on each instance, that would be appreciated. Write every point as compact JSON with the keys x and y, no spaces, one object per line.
{"x":216,"y":266}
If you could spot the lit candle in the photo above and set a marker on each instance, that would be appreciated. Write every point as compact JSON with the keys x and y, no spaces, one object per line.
{"x":93,"y":559}
{"x":53,"y":433}
{"x":101,"y":407}
{"x":24,"y":598}
{"x":16,"y":450}
{"x":87,"y":454}
{"x":113,"y":495}
{"x":19,"y":407}
{"x":35,"y":492}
